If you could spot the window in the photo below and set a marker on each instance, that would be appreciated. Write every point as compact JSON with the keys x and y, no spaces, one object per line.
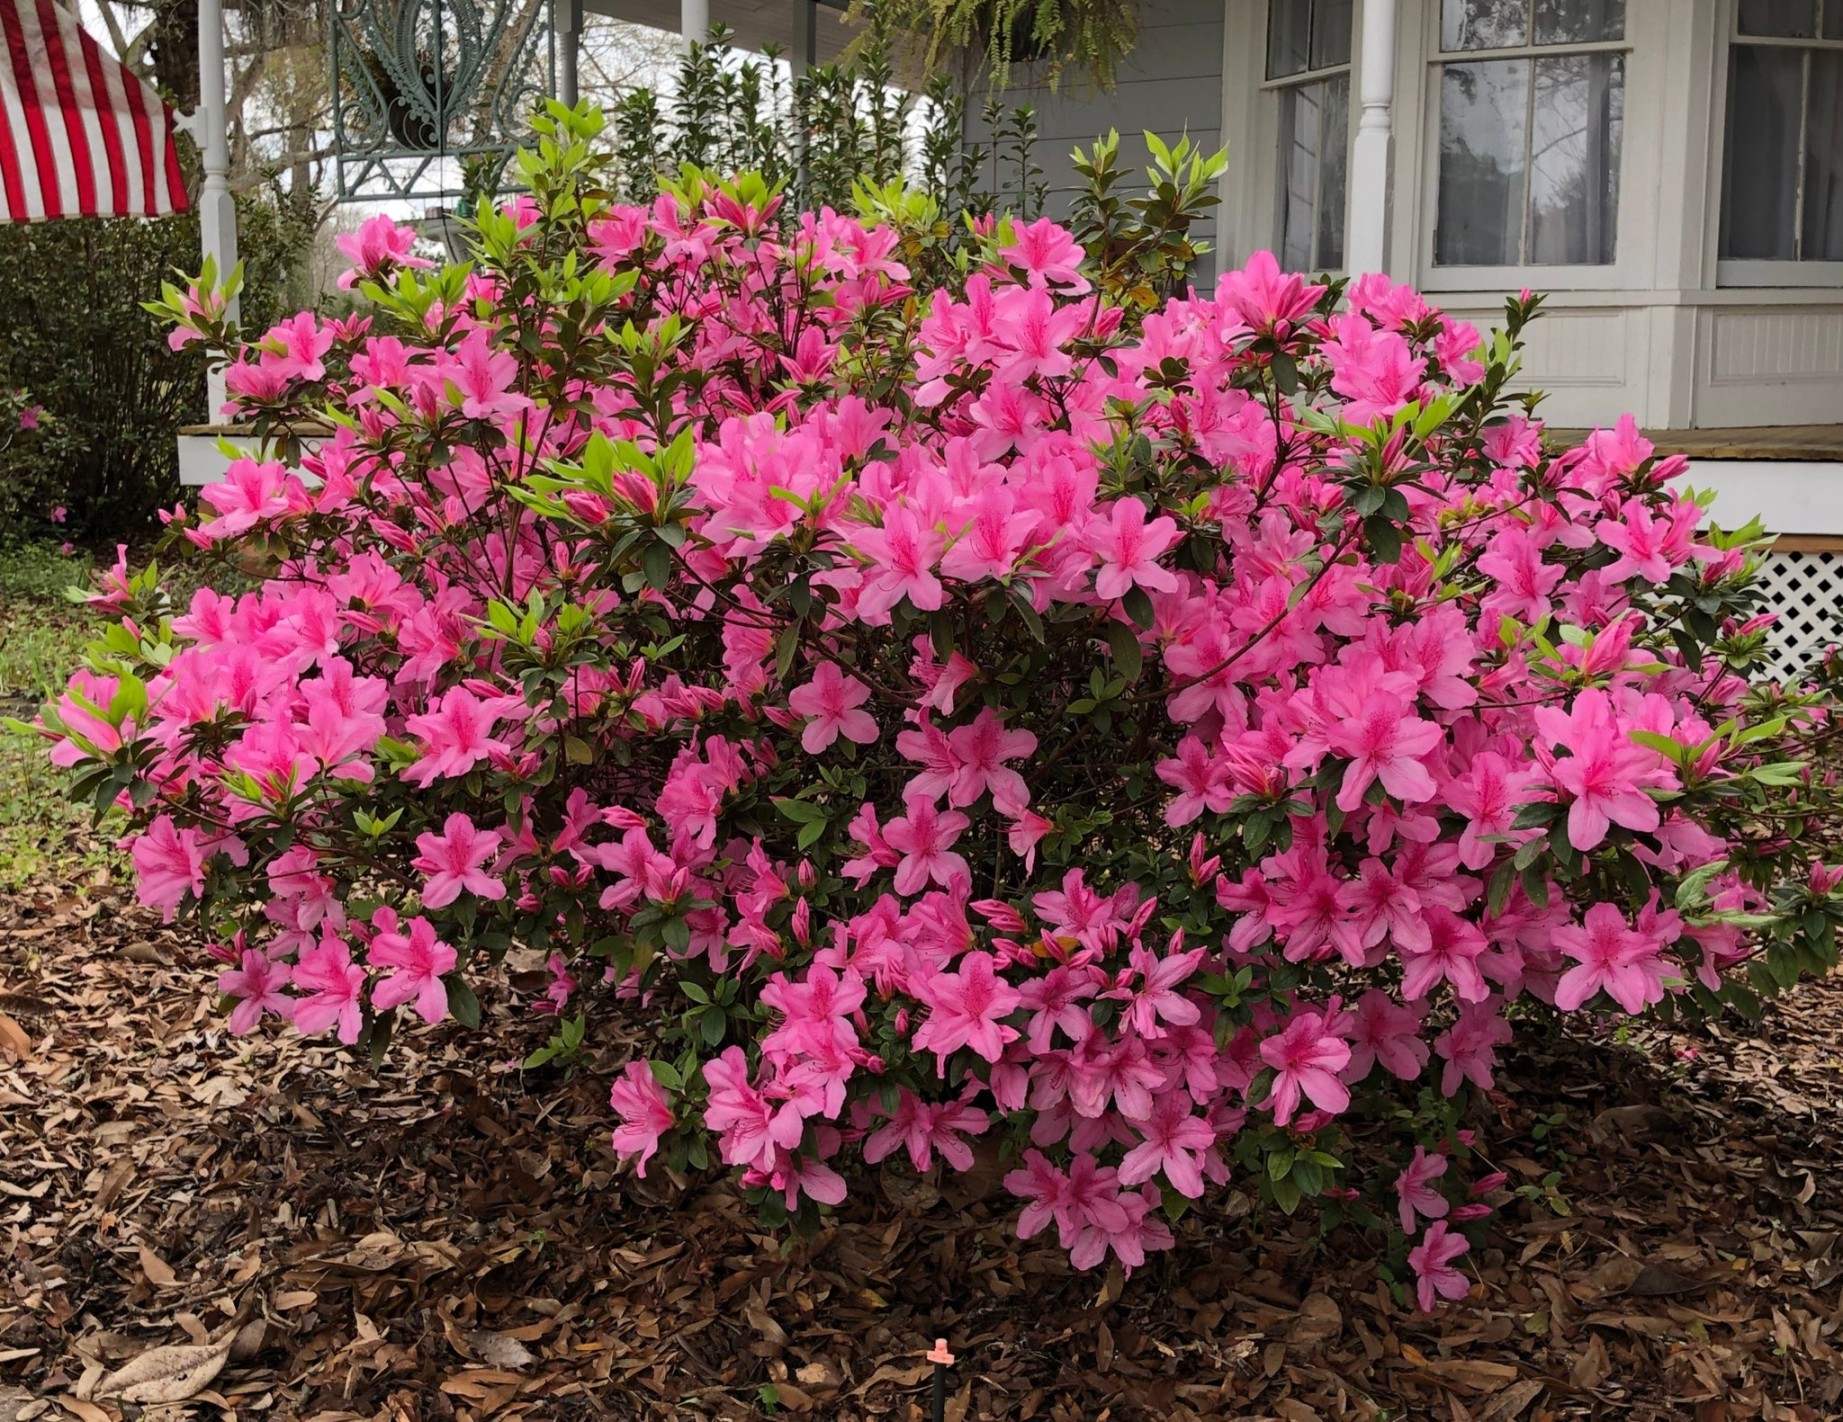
{"x":1531,"y":122}
{"x":1308,"y":66}
{"x":1782,"y":182}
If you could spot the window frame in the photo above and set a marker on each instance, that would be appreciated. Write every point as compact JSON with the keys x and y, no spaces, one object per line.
{"x":1618,"y":274}
{"x":1765,"y":271}
{"x":1270,"y":91}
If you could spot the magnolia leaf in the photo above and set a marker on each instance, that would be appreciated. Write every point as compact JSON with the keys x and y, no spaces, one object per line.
{"x":168,"y":1374}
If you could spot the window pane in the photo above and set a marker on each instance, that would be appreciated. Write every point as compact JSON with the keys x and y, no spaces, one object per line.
{"x":1833,"y":19}
{"x":1759,"y":199}
{"x":1333,"y":169}
{"x":1331,"y":33}
{"x":1484,"y":110}
{"x":1289,"y":34}
{"x":1789,"y":19}
{"x":1824,"y":160}
{"x":1483,"y":24}
{"x":1574,"y":158}
{"x":1579,"y":21}
{"x":1301,"y":132}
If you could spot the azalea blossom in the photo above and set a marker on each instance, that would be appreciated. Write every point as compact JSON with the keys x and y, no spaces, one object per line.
{"x":1432,"y":1260}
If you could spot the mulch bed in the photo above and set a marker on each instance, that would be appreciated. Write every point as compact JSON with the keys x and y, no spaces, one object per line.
{"x":447,"y":1238}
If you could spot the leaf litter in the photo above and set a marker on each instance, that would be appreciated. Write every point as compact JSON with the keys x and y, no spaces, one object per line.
{"x":268,"y":1228}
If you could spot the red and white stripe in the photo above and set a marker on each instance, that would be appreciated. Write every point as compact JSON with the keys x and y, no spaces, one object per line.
{"x":80,"y":134}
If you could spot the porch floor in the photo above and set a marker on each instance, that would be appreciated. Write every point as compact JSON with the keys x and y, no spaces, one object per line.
{"x":1818,"y":443}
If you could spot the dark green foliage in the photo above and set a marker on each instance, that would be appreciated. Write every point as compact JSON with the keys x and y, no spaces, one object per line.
{"x":820,"y":134}
{"x":114,"y":394}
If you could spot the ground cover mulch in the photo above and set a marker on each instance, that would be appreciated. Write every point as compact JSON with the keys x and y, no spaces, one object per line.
{"x":446,"y":1237}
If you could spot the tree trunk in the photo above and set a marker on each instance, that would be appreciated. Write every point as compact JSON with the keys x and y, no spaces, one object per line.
{"x":175,"y":51}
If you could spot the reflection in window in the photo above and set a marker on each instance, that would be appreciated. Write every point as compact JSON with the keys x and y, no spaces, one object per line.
{"x":1782,"y":177}
{"x":1530,"y":141}
{"x":1308,"y":48}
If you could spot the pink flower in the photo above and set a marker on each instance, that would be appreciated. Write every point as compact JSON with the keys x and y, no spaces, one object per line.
{"x":980,"y":752}
{"x":378,"y":243}
{"x":419,"y":961}
{"x":924,"y":837}
{"x":335,"y":987}
{"x":751,"y":1131}
{"x":1389,"y":1033}
{"x":1128,"y":549}
{"x":831,"y":701}
{"x":457,"y":734}
{"x":1156,"y":1000}
{"x":1268,"y":299}
{"x":1384,"y":743}
{"x":258,"y":985}
{"x":452,"y":862}
{"x":1048,"y":253}
{"x":967,"y":1009}
{"x":169,"y":863}
{"x":1175,"y":1142}
{"x":1306,"y":1057}
{"x":1604,"y":778}
{"x":1414,"y":1189}
{"x":1203,"y":781}
{"x":1432,"y":1260}
{"x":1450,"y":954}
{"x":923,"y":1129}
{"x":645,"y":1112}
{"x":483,"y":377}
{"x":59,"y":514}
{"x":1469,"y":1046}
{"x":1609,"y":957}
{"x":902,"y":556}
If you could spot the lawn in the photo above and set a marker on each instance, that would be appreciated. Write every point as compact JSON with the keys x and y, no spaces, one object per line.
{"x":43,"y":837}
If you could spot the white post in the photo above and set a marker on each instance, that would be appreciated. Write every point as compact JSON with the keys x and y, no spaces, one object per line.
{"x":569,"y":49}
{"x":693,"y":23}
{"x":804,"y":53}
{"x":1366,"y":237}
{"x":217,"y":214}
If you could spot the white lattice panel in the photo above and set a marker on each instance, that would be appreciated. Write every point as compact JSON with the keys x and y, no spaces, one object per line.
{"x":1805,"y":590}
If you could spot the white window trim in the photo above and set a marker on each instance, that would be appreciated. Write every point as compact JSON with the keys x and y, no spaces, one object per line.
{"x":1270,"y":91}
{"x":1752,"y":272}
{"x":1244,"y":71}
{"x":1628,"y":269}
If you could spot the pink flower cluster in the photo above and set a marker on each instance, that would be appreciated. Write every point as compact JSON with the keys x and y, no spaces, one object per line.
{"x":997,"y":722}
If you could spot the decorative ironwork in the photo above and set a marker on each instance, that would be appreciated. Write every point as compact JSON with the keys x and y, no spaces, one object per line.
{"x":431,"y":97}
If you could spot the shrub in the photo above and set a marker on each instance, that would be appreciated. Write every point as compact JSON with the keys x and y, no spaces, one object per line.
{"x":1143,"y":738}
{"x":112,"y":392}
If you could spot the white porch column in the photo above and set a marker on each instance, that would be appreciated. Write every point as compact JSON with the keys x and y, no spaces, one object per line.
{"x":217,"y":214}
{"x":1366,"y":237}
{"x":803,"y":54}
{"x":569,"y":49}
{"x":693,"y":23}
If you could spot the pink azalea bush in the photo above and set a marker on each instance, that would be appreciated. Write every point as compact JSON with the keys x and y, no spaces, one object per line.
{"x":963,"y":701}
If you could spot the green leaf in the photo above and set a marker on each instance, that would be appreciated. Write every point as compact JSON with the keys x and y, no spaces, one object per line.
{"x":1138,"y":605}
{"x":462,"y":1002}
{"x":1128,"y":655}
{"x":799,"y":811}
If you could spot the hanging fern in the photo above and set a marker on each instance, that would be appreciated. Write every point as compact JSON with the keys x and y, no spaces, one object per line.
{"x":1053,"y":36}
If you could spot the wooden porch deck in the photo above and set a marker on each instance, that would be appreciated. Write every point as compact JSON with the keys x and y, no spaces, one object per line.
{"x":1820,"y":443}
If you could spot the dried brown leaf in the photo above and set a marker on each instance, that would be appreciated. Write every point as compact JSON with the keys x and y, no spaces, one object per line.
{"x":159,"y":1273}
{"x":169,"y":1374}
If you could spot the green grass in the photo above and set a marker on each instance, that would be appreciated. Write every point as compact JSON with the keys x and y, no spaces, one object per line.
{"x":43,"y":837}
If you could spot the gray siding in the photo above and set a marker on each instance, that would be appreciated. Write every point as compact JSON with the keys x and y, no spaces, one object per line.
{"x":1170,"y":84}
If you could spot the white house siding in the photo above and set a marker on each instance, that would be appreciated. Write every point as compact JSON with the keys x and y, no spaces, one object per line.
{"x":1661,"y":333}
{"x":1171,"y":84}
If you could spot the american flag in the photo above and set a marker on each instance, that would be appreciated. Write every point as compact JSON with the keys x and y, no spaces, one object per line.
{"x":80,"y":134}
